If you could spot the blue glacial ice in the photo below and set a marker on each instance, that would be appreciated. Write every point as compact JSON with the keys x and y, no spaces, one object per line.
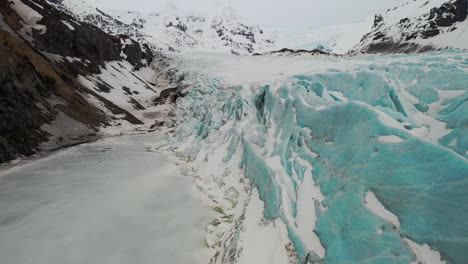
{"x":335,"y":125}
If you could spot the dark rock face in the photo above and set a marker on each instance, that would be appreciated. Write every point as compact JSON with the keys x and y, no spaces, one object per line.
{"x":85,"y":41}
{"x":139,"y":23}
{"x":449,"y":13}
{"x":445,"y":16}
{"x":37,"y":92}
{"x":178,"y":24}
{"x":170,"y":94}
{"x":20,"y":117}
{"x":239,"y":30}
{"x":135,"y":54}
{"x":28,"y":83}
{"x":394,"y":47}
{"x":378,"y":19}
{"x":438,"y":21}
{"x":109,"y":24}
{"x":293,"y":52}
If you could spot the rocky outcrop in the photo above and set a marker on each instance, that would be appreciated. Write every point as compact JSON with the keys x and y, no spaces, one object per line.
{"x":430,"y":25}
{"x":46,"y":54}
{"x":33,"y":92}
{"x":449,"y":13}
{"x":296,"y":52}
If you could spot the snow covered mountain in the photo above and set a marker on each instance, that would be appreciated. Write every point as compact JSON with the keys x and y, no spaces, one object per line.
{"x":418,"y":26}
{"x":65,"y":81}
{"x":337,"y":39}
{"x":173,"y":29}
{"x":221,"y":30}
{"x":82,"y":11}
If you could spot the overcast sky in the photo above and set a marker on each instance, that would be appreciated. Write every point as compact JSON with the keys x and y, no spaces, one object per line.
{"x":274,"y":12}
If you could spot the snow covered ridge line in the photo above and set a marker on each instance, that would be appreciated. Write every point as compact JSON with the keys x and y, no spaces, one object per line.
{"x":176,"y":30}
{"x":84,"y":12}
{"x":418,"y":26}
{"x":344,"y":157}
{"x":297,"y":52}
{"x":220,"y":31}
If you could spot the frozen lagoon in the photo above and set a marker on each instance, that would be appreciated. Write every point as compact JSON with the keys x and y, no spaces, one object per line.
{"x":105,"y":202}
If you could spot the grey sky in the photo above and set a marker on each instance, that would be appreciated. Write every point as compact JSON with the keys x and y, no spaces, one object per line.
{"x":275,"y":12}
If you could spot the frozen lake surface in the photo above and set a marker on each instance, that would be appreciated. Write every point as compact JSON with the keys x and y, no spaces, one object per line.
{"x":106,"y":202}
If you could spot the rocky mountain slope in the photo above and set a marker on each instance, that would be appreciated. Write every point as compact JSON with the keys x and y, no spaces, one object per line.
{"x":65,"y":82}
{"x":418,"y":26}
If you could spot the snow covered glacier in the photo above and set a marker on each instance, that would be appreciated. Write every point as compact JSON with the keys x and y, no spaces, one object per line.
{"x":328,"y":159}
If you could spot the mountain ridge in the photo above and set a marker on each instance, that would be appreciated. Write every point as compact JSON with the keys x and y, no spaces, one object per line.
{"x":418,"y":26}
{"x":175,"y":30}
{"x":65,"y":81}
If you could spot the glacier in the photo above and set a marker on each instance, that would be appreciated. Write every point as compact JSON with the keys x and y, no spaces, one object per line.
{"x":320,"y":141}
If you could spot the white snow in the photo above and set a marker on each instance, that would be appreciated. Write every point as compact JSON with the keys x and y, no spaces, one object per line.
{"x":262,"y":242}
{"x":375,"y":206}
{"x":433,"y":129}
{"x":337,"y":39}
{"x":66,"y":23}
{"x":53,"y":57}
{"x":437,"y":106}
{"x":391,"y":139}
{"x":217,"y":29}
{"x":80,"y":6}
{"x":307,"y":195}
{"x":29,"y":15}
{"x":424,"y":253}
{"x":30,"y":18}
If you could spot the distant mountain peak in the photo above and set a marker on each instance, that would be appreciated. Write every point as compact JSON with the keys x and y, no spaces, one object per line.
{"x":418,"y":26}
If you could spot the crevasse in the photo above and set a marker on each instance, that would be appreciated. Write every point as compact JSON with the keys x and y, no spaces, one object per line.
{"x":397,"y":128}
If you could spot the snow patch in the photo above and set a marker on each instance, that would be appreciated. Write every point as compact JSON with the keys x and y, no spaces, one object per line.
{"x":66,"y":23}
{"x":391,"y":139}
{"x":30,"y":18}
{"x":262,"y":242}
{"x":375,"y":206}
{"x":425,"y":254}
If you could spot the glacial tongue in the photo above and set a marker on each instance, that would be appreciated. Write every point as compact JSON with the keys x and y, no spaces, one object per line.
{"x":354,"y":160}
